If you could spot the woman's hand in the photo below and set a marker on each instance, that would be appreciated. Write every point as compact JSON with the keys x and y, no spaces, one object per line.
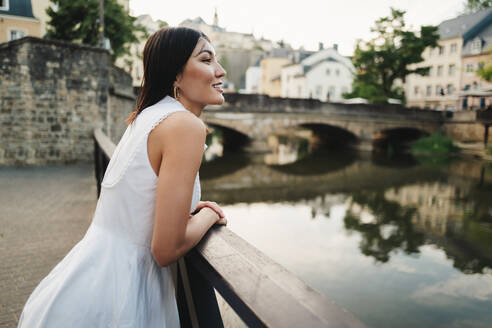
{"x":215,"y":207}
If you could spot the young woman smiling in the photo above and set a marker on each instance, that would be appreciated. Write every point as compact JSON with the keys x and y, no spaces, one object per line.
{"x":149,"y":212}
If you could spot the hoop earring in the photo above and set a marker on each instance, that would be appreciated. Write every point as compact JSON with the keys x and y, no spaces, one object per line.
{"x":176,"y":93}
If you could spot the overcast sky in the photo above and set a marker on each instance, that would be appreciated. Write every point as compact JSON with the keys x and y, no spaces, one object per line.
{"x":301,"y":22}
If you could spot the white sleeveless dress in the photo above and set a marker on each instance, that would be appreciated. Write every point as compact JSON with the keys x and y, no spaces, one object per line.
{"x":110,"y":278}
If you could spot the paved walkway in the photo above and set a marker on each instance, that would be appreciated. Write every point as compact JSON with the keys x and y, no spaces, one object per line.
{"x":44,"y":211}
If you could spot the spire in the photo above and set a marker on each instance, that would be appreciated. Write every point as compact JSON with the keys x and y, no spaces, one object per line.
{"x":216,"y":18}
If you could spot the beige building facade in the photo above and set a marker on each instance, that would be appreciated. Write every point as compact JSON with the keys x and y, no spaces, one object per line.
{"x":452,"y":68}
{"x":476,"y":92}
{"x":439,"y":89}
{"x":17,"y":20}
{"x":270,"y":82}
{"x":39,"y":10}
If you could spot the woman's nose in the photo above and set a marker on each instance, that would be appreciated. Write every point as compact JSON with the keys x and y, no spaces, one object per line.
{"x":220,"y":72}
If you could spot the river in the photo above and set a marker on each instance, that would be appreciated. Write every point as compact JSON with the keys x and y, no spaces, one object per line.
{"x":399,"y":242}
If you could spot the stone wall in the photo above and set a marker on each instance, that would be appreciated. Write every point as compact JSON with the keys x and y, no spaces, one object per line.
{"x":122,"y":102}
{"x":52,"y":95}
{"x":468,"y":126}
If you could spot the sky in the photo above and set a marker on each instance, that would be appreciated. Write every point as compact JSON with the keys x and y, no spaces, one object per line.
{"x":301,"y":22}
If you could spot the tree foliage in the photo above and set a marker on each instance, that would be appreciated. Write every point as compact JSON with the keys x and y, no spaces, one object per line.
{"x":485,"y":69}
{"x":476,"y":5}
{"x":388,"y":58}
{"x":486,"y":73}
{"x":78,"y":20}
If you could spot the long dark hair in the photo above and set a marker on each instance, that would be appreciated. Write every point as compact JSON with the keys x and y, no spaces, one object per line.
{"x":164,"y":57}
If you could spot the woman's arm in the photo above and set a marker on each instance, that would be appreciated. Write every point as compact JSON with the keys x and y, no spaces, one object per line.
{"x":180,"y":137}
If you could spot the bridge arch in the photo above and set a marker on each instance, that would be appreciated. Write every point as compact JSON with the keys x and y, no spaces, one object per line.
{"x":232,"y":139}
{"x":399,"y":137}
{"x":330,"y":136}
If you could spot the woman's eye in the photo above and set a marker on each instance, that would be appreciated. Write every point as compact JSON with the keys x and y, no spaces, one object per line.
{"x":208,"y":60}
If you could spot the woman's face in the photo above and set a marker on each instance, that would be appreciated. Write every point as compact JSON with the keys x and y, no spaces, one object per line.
{"x":200,"y":82}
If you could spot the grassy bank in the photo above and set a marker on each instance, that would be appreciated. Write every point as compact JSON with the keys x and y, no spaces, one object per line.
{"x":434,"y":144}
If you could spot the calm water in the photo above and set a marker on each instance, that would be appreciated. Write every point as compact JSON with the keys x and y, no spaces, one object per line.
{"x":398,"y":242}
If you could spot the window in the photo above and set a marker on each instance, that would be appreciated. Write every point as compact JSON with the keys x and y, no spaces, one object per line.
{"x":431,"y":52}
{"x":453,"y":48}
{"x":451,"y":69}
{"x":481,"y":65}
{"x":469,"y":68}
{"x":15,"y":34}
{"x":439,"y":70}
{"x":428,"y":90}
{"x":441,"y":51}
{"x":328,"y":71}
{"x":332,"y":91}
{"x":476,"y":46}
{"x":439,"y":91}
{"x":337,"y":72}
{"x":4,"y":4}
{"x":431,"y":71}
{"x":318,"y":90}
{"x":416,"y":90}
{"x":449,"y":89}
{"x":299,"y":90}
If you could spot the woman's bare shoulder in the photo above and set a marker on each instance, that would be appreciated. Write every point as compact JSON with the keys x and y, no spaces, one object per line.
{"x":181,"y":126}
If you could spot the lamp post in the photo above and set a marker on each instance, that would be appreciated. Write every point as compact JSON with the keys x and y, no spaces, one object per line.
{"x":101,"y":23}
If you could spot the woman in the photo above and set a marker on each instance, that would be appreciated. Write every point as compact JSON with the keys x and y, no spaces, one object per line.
{"x":148,"y":214}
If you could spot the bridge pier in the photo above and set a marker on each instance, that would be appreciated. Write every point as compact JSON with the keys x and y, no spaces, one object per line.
{"x":365,"y":145}
{"x":259,"y":145}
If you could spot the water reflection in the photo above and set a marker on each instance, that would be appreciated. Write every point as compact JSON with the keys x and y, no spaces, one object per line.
{"x":376,"y":236}
{"x":288,"y":148}
{"x":387,"y":228}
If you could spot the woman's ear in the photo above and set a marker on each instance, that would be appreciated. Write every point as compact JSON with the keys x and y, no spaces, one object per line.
{"x":178,"y":80}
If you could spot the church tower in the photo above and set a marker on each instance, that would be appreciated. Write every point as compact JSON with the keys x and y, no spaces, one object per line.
{"x":216,"y":18}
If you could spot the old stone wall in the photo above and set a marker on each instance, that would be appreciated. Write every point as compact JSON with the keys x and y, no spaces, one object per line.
{"x":467,"y":126}
{"x":52,"y":95}
{"x":122,"y":102}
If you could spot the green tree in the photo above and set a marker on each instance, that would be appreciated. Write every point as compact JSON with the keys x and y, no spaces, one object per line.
{"x":78,"y":20}
{"x":476,"y":5}
{"x":388,"y":57}
{"x":485,"y":73}
{"x":485,"y":69}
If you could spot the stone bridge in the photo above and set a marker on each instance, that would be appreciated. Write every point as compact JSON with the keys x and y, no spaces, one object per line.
{"x":254,"y":118}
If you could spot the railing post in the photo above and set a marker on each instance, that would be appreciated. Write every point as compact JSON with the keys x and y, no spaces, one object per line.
{"x":486,"y":135}
{"x":186,"y":309}
{"x":197,"y":303}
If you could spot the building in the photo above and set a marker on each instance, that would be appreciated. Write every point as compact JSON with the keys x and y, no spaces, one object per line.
{"x":39,"y":10}
{"x":253,"y":78}
{"x":440,"y":89}
{"x":236,"y":51}
{"x":476,"y":92}
{"x":325,"y":75}
{"x":132,"y":62}
{"x":222,"y":38}
{"x":17,"y":20}
{"x":270,"y":82}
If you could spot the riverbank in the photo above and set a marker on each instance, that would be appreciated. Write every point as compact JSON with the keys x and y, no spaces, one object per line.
{"x":476,"y":150}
